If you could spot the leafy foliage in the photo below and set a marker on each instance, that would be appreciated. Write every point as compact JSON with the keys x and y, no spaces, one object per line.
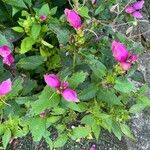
{"x":43,"y":40}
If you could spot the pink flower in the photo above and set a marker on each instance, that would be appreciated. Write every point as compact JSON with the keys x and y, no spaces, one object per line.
{"x":132,"y":58}
{"x":70,"y":95}
{"x":119,"y":51}
{"x":125,"y":65}
{"x":4,"y":51}
{"x":5,"y":87}
{"x":137,"y":14}
{"x":129,"y":10}
{"x":43,"y":18}
{"x":8,"y":60}
{"x":93,"y":147}
{"x":52,"y":80}
{"x":65,"y":85}
{"x":73,"y":18}
{"x":134,"y":8}
{"x":138,"y":5}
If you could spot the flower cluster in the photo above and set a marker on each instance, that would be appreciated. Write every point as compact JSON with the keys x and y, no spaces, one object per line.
{"x":5,"y":87}
{"x":134,"y":9}
{"x":53,"y":81}
{"x":73,"y":18}
{"x":6,"y":54}
{"x":122,"y":55}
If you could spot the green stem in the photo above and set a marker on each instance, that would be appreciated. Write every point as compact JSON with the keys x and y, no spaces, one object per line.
{"x":74,"y":60}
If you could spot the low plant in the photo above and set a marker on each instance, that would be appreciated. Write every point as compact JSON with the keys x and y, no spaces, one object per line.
{"x":66,"y":65}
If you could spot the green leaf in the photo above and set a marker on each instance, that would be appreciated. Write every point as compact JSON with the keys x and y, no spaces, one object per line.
{"x":76,"y":79}
{"x":31,"y":62}
{"x":47,"y":99}
{"x":26,"y":44}
{"x":138,"y":76}
{"x":126,"y":130}
{"x":6,"y":138}
{"x":109,"y":97}
{"x":47,"y":44}
{"x":3,"y":41}
{"x":16,"y":3}
{"x":52,"y":119}
{"x":137,"y":108}
{"x":44,"y":10}
{"x":35,"y":30}
{"x":16,"y":88}
{"x":37,"y":127}
{"x":88,"y":120}
{"x":145,"y":100}
{"x":62,"y":33}
{"x":116,"y":130}
{"x":53,"y":11}
{"x":29,"y":2}
{"x":89,"y":92}
{"x":98,"y":68}
{"x":80,"y":132}
{"x":60,"y":141}
{"x":84,"y":12}
{"x":99,"y":9}
{"x":124,"y":86}
{"x":18,"y":29}
{"x":96,"y":129}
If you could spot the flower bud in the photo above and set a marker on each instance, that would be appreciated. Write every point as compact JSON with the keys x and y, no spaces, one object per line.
{"x":138,"y":5}
{"x":52,"y":80}
{"x":93,"y":147}
{"x":9,"y":60}
{"x":132,"y":58}
{"x":137,"y":14}
{"x":125,"y":66}
{"x":43,"y":18}
{"x":129,"y":10}
{"x":70,"y":95}
{"x":73,"y":18}
{"x":65,"y":85}
{"x":5,"y":87}
{"x":119,"y":51}
{"x":4,"y":51}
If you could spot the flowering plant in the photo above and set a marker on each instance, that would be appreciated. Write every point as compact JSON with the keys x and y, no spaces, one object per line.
{"x":66,"y":66}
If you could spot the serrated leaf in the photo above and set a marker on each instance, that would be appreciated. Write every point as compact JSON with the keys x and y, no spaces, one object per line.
{"x":35,"y":30}
{"x":62,"y":33}
{"x":80,"y":132}
{"x":84,"y":12}
{"x":16,"y":3}
{"x":88,"y":120}
{"x":26,"y":44}
{"x":37,"y":127}
{"x":44,"y":10}
{"x":89,"y":92}
{"x":31,"y":62}
{"x":124,"y":86}
{"x":116,"y":130}
{"x":96,"y":129}
{"x":76,"y":79}
{"x":6,"y":138}
{"x":126,"y":130}
{"x":16,"y":88}
{"x":137,"y":108}
{"x":138,"y":76}
{"x":109,"y":97}
{"x":60,"y":141}
{"x":47,"y":99}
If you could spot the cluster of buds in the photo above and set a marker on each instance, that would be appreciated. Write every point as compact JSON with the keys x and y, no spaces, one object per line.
{"x":62,"y":88}
{"x":122,"y":55}
{"x":5,"y":87}
{"x":6,"y":54}
{"x":134,"y":9}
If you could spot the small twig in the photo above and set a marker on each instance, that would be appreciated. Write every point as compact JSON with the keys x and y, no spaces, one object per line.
{"x":140,"y":34}
{"x":91,"y":32}
{"x":70,"y":3}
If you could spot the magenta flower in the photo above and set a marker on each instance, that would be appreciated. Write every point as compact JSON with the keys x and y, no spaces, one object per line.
{"x":43,"y":18}
{"x":73,"y":18}
{"x":134,"y":9}
{"x":5,"y":87}
{"x":125,"y":65}
{"x":70,"y":95}
{"x":4,"y":51}
{"x":65,"y":85}
{"x":93,"y":147}
{"x":122,"y":55}
{"x":52,"y":80}
{"x":119,"y":51}
{"x":9,"y":60}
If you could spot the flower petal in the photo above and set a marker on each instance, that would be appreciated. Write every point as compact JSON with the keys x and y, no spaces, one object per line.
{"x":5,"y":87}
